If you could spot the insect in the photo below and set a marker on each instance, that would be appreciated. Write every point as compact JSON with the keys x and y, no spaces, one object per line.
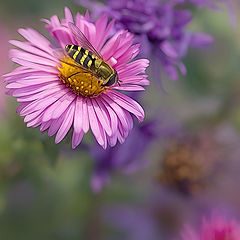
{"x":89,"y":60}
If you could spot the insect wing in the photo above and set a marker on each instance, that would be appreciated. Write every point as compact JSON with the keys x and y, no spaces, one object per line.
{"x":77,"y":65}
{"x":85,"y":70}
{"x":60,"y":56}
{"x":82,"y":40}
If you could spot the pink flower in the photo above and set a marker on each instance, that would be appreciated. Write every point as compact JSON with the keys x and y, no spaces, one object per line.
{"x":217,"y":228}
{"x":54,"y":101}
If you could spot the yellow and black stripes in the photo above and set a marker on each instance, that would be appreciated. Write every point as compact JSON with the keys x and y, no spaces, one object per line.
{"x":80,"y":55}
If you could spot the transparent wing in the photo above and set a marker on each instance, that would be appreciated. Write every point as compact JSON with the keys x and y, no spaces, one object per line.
{"x":77,"y":65}
{"x":82,"y":40}
{"x":60,"y":56}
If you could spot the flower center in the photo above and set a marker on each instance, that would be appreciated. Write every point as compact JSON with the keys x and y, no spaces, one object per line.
{"x":81,"y":83}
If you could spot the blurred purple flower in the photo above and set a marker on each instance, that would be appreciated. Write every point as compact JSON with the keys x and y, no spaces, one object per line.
{"x":129,"y":156}
{"x":122,"y":156}
{"x":217,"y":228}
{"x":158,"y":214}
{"x":132,"y":222}
{"x":160,"y":27}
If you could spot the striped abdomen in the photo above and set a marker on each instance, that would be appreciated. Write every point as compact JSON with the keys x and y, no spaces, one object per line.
{"x":80,"y":55}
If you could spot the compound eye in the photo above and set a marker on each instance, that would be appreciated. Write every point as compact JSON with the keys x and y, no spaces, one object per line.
{"x":111,"y":81}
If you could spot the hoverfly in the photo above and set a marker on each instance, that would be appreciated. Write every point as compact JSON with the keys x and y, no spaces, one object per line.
{"x":89,"y":60}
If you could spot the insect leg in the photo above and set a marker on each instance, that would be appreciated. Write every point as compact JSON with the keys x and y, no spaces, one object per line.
{"x":74,"y":74}
{"x":118,"y":82}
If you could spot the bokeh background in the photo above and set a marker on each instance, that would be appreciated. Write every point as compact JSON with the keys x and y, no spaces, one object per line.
{"x":188,"y":165}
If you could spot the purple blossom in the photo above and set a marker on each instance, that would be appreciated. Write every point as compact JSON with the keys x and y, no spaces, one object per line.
{"x":160,"y":26}
{"x":132,"y":222}
{"x":126,"y":156}
{"x":130,"y":156}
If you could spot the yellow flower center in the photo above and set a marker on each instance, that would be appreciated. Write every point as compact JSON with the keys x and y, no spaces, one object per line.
{"x":81,"y":83}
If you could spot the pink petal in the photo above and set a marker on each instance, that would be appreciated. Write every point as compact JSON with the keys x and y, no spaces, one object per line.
{"x":85,"y":123}
{"x":127,"y":103}
{"x":24,"y":91}
{"x":36,"y":121}
{"x":55,"y":124}
{"x":96,"y":127}
{"x":36,"y":66}
{"x":36,"y":39}
{"x":117,"y":109}
{"x":129,"y":88}
{"x":112,"y":140}
{"x":65,"y":102}
{"x":32,"y":116}
{"x":21,"y":106}
{"x":26,"y":73}
{"x":66,"y":124}
{"x":49,"y":112}
{"x":29,"y":48}
{"x":63,"y":36}
{"x":133,"y":68}
{"x":111,"y":115}
{"x":37,"y":81}
{"x":132,"y":52}
{"x":42,"y":103}
{"x":77,"y":138}
{"x":102,"y":117}
{"x":19,"y":54}
{"x":68,"y":15}
{"x":78,"y":117}
{"x":45,"y":126}
{"x":40,"y":95}
{"x":110,"y":47}
{"x":103,"y":30}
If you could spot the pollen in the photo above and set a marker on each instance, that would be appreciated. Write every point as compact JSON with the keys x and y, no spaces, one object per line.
{"x":80,"y":82}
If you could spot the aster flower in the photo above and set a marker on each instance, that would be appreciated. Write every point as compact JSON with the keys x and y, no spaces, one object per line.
{"x":160,"y":26}
{"x":52,"y":100}
{"x":123,"y":157}
{"x":217,"y":228}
